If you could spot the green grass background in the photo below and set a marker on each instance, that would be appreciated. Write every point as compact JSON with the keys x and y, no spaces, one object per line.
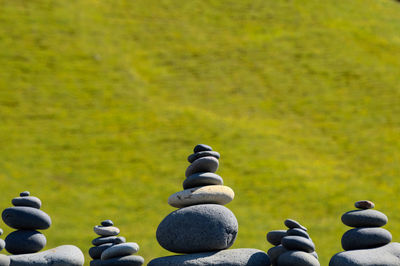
{"x":102,"y":101}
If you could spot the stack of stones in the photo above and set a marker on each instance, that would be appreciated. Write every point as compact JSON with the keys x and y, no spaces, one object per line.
{"x":202,"y":227}
{"x":367,"y":243}
{"x":2,"y":243}
{"x":110,"y":249}
{"x":26,"y":217}
{"x":293,"y":247}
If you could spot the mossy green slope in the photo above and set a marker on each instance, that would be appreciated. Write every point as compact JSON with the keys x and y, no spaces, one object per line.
{"x":101,"y":102}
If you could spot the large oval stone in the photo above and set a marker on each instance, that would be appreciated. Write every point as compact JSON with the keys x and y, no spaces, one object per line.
{"x":198,"y":228}
{"x":364,"y":218}
{"x":362,"y":238}
{"x":26,"y":218}
{"x":25,"y":241}
{"x":297,"y":258}
{"x":202,"y":195}
{"x":204,"y":164}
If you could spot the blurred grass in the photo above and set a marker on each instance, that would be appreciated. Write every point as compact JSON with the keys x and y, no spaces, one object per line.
{"x":101,"y":102}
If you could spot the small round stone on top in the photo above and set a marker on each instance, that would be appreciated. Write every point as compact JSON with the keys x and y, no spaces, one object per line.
{"x":364,"y":204}
{"x":201,"y":147}
{"x":107,"y":223}
{"x":294,"y":224}
{"x":24,"y":194}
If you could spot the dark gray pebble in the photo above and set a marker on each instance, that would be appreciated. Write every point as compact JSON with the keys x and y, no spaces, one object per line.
{"x":107,"y":223}
{"x":297,"y":232}
{"x":202,"y":147}
{"x":294,"y":224}
{"x":27,"y":201}
{"x":95,"y":252}
{"x":24,"y":194}
{"x":275,"y":252}
{"x":297,"y":258}
{"x":25,"y":241}
{"x":131,"y":260}
{"x":108,"y":239}
{"x":388,"y":255}
{"x":205,"y":164}
{"x":362,"y":238}
{"x":364,"y":204}
{"x":229,"y":257}
{"x":193,"y":157}
{"x":274,"y":237}
{"x":298,"y":243}
{"x":26,"y":218}
{"x":198,"y":228}
{"x":202,"y":179}
{"x":364,"y":218}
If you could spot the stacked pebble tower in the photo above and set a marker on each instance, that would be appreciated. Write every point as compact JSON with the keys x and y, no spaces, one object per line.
{"x":367,"y":243}
{"x":202,"y":226}
{"x":293,"y":247}
{"x":110,"y":249}
{"x":26,"y":217}
{"x":2,"y":243}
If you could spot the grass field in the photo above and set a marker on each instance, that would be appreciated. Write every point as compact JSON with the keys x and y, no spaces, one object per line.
{"x":102,"y":101}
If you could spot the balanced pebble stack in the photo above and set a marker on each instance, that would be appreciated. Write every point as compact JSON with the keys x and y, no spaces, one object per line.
{"x":202,"y":227}
{"x":367,"y":243}
{"x":27,"y":218}
{"x":293,"y":247}
{"x":111,"y":249}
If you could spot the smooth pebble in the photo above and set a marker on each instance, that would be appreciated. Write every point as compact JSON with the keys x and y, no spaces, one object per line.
{"x":205,"y":164}
{"x":124,"y":249}
{"x":106,"y":230}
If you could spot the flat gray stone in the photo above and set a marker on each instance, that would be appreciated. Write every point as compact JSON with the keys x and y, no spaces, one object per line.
{"x":205,"y":164}
{"x":198,"y":228}
{"x":193,"y":157}
{"x":298,"y":243}
{"x":275,"y":237}
{"x":215,"y":194}
{"x":230,"y":257}
{"x":131,"y":260}
{"x":388,"y":255}
{"x":26,"y":218}
{"x":4,"y":260}
{"x":95,"y":252}
{"x":290,"y":223}
{"x":275,"y":252}
{"x":363,"y":238}
{"x":25,"y":241}
{"x":202,"y":179}
{"x":27,"y":201}
{"x":108,"y":239}
{"x":120,"y":250}
{"x":298,"y":232}
{"x":201,"y":147}
{"x":106,"y":230}
{"x":66,"y":255}
{"x":364,"y":218}
{"x":297,"y":258}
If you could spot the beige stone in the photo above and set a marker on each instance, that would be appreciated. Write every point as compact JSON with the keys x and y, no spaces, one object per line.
{"x":215,"y":194}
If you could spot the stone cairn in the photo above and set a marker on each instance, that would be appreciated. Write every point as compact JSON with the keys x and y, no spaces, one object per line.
{"x":202,"y":227}
{"x":293,"y":247}
{"x":111,"y":249}
{"x":26,"y":241}
{"x":367,"y":243}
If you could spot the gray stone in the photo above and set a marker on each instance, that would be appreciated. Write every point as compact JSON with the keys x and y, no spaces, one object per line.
{"x":202,"y":147}
{"x":107,"y":223}
{"x":2,"y":244}
{"x":120,"y":250}
{"x":298,"y":243}
{"x":215,"y":194}
{"x":205,"y":164}
{"x":193,"y":157}
{"x":388,"y":255}
{"x":275,"y":252}
{"x":66,"y":255}
{"x":26,"y":218}
{"x":25,"y":241}
{"x":364,"y":218}
{"x":274,"y":237}
{"x":95,"y":252}
{"x":131,"y":260}
{"x":4,"y":260}
{"x":294,"y":224}
{"x":298,"y":232}
{"x":363,"y":238}
{"x":24,"y":194}
{"x":364,"y":204}
{"x":108,"y":239}
{"x":202,"y":179}
{"x":198,"y":228}
{"x":1,"y":231}
{"x":297,"y":258}
{"x":230,"y":257}
{"x":27,"y":201}
{"x":106,"y":230}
